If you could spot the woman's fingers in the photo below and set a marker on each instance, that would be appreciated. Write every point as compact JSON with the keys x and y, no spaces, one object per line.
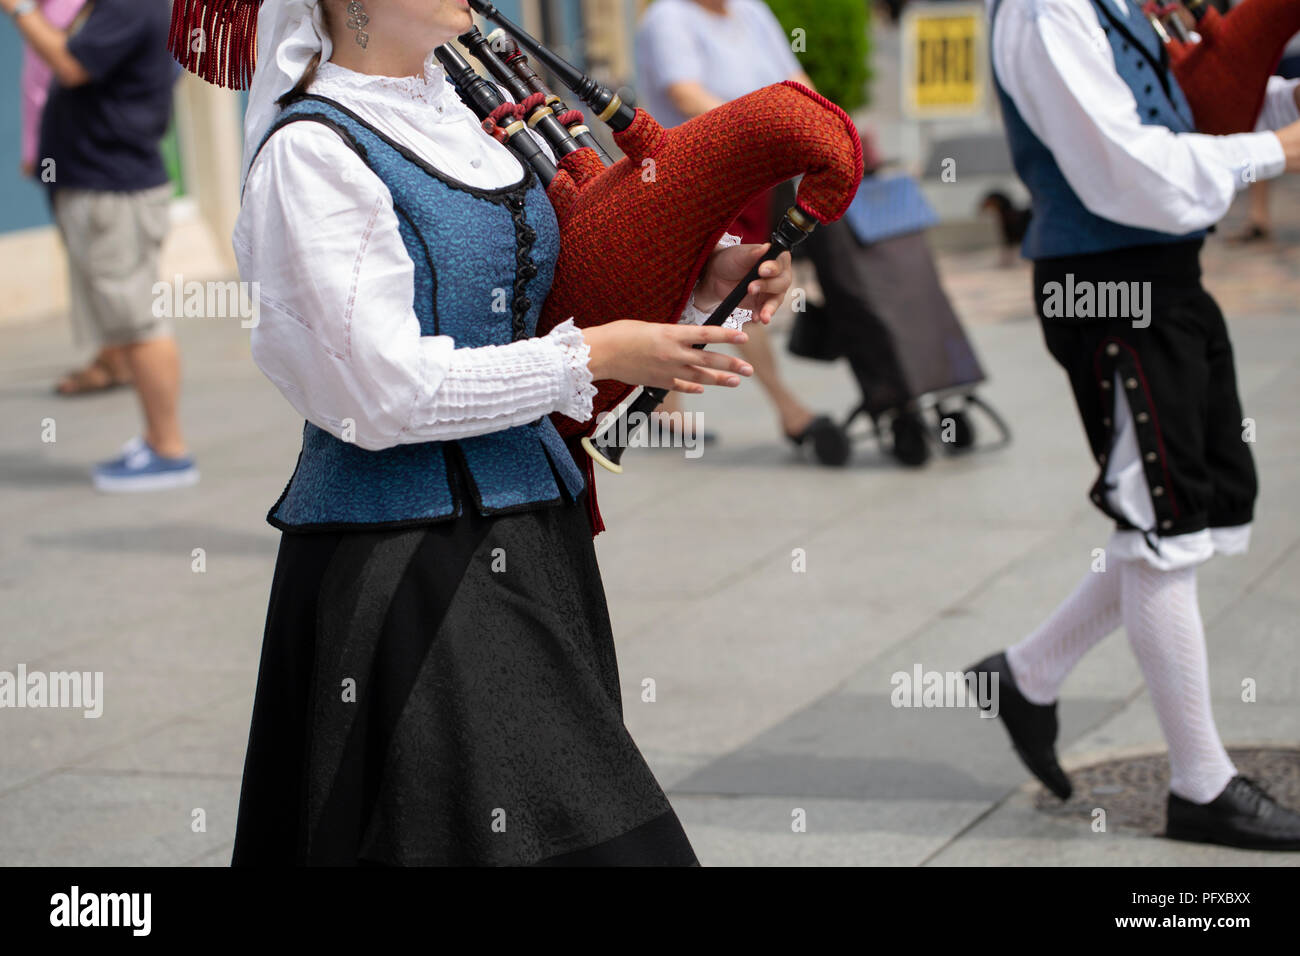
{"x":720,"y":361}
{"x":707,"y":376}
{"x":709,"y":335}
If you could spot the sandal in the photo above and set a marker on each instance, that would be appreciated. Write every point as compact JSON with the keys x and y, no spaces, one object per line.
{"x":98,"y":376}
{"x":830,"y":444}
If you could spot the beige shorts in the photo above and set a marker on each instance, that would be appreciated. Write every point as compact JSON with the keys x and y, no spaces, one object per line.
{"x":113,"y":241}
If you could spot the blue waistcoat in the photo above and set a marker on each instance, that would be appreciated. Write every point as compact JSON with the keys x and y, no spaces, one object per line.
{"x":473,"y":250}
{"x":1061,"y":224}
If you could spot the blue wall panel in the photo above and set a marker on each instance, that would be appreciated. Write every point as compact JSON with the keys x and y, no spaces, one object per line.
{"x":22,"y":202}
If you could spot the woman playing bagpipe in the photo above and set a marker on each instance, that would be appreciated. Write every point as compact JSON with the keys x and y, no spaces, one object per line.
{"x":438,"y":681}
{"x":1125,"y":185}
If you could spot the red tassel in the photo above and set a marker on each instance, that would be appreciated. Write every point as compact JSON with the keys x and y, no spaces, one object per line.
{"x":216,"y":39}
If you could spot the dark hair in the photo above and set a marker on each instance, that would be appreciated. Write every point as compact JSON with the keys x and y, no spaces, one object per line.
{"x":309,"y":75}
{"x":300,"y":88}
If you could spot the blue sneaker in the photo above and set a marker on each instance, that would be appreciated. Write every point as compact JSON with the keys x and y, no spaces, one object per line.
{"x":140,"y":468}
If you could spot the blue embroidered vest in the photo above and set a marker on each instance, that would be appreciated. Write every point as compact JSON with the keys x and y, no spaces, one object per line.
{"x":471,"y":247}
{"x":1062,"y":225}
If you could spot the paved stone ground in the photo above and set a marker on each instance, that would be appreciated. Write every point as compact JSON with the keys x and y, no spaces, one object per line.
{"x":772,"y":686}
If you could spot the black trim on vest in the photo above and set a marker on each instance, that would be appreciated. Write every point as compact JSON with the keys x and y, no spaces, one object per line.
{"x":525,"y":267}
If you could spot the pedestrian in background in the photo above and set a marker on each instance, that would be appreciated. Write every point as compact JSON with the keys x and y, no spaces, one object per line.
{"x":108,"y":109}
{"x":693,"y":56}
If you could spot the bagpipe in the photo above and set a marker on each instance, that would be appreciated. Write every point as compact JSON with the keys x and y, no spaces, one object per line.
{"x":637,"y":234}
{"x":1224,"y":63}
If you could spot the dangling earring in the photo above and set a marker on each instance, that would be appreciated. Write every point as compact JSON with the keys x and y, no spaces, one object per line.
{"x":357,"y":20}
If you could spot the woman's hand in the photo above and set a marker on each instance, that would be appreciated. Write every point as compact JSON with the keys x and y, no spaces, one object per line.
{"x":727,"y":267}
{"x":661,"y":355}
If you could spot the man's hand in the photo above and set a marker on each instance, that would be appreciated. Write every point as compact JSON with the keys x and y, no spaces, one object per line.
{"x":727,"y":267}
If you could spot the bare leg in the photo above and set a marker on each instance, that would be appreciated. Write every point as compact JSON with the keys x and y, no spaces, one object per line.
{"x":1259,"y":195}
{"x":156,"y":365}
{"x":794,"y":415}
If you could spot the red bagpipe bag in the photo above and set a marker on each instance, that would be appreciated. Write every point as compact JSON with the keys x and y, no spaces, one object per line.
{"x":1225,"y":75}
{"x":634,"y":238}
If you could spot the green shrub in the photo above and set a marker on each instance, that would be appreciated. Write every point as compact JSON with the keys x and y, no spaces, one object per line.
{"x":836,"y":51}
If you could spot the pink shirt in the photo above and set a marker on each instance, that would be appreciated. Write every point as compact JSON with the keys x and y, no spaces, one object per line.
{"x":36,"y":77}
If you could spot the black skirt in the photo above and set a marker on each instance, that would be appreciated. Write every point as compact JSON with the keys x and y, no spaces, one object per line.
{"x":446,"y":695}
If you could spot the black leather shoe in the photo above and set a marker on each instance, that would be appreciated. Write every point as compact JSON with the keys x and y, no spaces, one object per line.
{"x":829,"y":443}
{"x":1032,"y":727}
{"x":1244,"y":815}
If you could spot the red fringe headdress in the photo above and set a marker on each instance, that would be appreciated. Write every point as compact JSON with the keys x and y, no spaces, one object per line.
{"x":216,"y":39}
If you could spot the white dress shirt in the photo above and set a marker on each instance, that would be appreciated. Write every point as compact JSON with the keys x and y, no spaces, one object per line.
{"x":1073,"y":98}
{"x":338,"y":333}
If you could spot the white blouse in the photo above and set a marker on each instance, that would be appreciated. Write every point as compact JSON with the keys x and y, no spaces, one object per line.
{"x":338,"y":333}
{"x":1071,"y":96}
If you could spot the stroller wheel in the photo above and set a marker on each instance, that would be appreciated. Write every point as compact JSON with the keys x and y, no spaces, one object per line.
{"x":956,"y":430}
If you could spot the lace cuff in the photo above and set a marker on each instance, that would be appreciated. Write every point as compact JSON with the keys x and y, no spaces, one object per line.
{"x":579,"y":392}
{"x":495,"y":387}
{"x":693,"y":316}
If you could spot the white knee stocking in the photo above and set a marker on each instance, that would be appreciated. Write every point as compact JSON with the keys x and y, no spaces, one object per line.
{"x":1041,"y":662}
{"x":1163,"y":621}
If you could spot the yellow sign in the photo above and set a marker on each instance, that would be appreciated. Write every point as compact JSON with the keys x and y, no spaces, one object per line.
{"x":944,"y":59}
